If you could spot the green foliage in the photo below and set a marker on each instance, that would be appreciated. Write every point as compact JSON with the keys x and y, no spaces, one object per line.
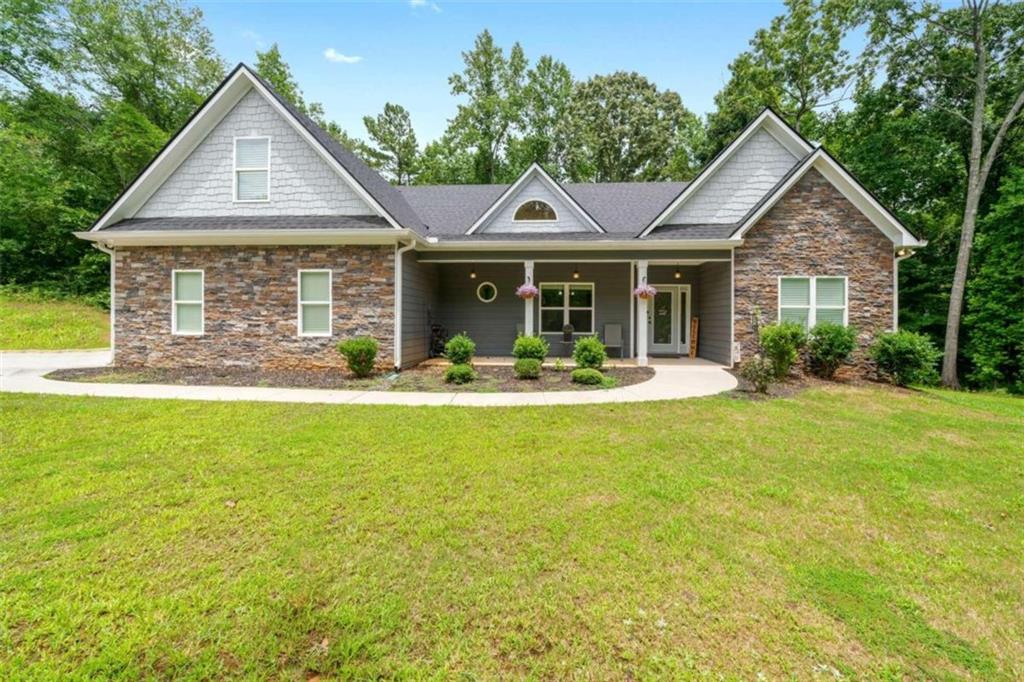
{"x":905,"y":357}
{"x":587,"y":376}
{"x":759,"y":372}
{"x":460,"y":349}
{"x":459,"y":374}
{"x":589,"y":352}
{"x":395,"y":138}
{"x":781,"y":344}
{"x":530,"y":347}
{"x":527,"y":368}
{"x":40,"y":320}
{"x":829,"y":346}
{"x":360,"y":353}
{"x":560,"y":365}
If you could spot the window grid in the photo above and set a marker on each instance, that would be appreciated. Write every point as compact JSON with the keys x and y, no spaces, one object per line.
{"x":566,"y":307}
{"x":812,"y":308}
{"x":316,"y":303}
{"x":177,"y":302}
{"x":250,"y":169}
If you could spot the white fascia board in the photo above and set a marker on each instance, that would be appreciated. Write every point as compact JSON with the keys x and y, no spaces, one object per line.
{"x":770,"y":122}
{"x":211,"y":237}
{"x":568,"y":244}
{"x":854,"y":192}
{"x":535,"y":170}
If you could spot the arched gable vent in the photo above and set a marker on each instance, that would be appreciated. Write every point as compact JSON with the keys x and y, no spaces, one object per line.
{"x":535,"y":210}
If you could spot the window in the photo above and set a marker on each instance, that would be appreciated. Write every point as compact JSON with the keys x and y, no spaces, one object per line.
{"x":536,"y":211}
{"x":562,"y":304}
{"x":252,"y":168}
{"x":487,"y":292}
{"x":187,"y":302}
{"x":314,"y":302}
{"x":828,"y":295}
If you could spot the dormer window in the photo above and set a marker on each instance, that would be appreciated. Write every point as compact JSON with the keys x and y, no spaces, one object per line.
{"x":252,"y":168}
{"x":535,"y":211}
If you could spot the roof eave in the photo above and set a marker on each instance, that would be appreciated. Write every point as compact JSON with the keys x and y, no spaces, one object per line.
{"x":212,"y":237}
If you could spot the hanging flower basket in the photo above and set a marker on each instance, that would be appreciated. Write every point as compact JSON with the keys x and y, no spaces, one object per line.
{"x":527,"y":291}
{"x":645,"y":292}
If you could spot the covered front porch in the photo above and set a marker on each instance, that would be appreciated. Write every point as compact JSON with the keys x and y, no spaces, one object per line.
{"x":579,"y":294}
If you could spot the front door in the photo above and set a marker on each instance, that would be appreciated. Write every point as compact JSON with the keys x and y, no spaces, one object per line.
{"x":667,"y":321}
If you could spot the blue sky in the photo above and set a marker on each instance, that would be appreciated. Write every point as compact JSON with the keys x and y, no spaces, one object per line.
{"x":406,"y":49}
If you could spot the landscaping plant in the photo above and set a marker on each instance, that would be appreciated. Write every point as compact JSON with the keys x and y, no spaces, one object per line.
{"x":527,"y":368}
{"x":829,"y":346}
{"x":360,"y":353}
{"x":589,"y":353}
{"x":534,"y":347}
{"x":759,"y":372}
{"x":906,"y":358}
{"x":587,"y":376}
{"x":782,"y":343}
{"x":460,"y":349}
{"x":459,"y":374}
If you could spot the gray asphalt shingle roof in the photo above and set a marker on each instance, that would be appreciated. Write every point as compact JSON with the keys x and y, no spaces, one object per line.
{"x":287,"y":222}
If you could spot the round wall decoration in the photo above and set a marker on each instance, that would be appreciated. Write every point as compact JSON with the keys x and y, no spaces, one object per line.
{"x":486,"y":292}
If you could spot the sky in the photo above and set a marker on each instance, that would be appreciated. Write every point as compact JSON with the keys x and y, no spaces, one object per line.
{"x":356,"y":56}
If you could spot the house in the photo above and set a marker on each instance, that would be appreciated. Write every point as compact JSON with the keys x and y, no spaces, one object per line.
{"x":253,"y":238}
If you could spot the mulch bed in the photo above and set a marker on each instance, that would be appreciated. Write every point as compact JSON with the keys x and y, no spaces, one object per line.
{"x":492,"y":379}
{"x":798,"y":382}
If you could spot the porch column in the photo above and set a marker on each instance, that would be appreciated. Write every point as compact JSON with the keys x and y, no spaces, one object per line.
{"x":528,"y":303}
{"x":641,"y":316}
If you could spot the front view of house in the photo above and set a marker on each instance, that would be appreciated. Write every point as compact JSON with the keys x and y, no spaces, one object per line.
{"x":254,"y":238}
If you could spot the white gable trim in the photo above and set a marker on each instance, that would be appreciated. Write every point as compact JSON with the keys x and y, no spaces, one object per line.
{"x":227,"y":95}
{"x":768,"y":121}
{"x":848,"y":186}
{"x":535,"y":170}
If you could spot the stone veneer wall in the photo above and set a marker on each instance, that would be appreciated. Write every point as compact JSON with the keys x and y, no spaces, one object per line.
{"x":814,"y":230}
{"x":251,"y":305}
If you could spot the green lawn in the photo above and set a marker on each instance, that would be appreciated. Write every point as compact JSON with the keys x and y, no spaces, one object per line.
{"x":856,"y":531}
{"x":30,"y":323}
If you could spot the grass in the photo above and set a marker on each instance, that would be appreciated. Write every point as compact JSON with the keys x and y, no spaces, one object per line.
{"x":861,"y":532}
{"x":28,"y":322}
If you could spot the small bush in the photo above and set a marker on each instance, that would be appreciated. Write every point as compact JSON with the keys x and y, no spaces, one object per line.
{"x":829,"y":346}
{"x":534,"y":347}
{"x":781,"y":344}
{"x":560,"y":365}
{"x":905,"y":358}
{"x":759,"y":372}
{"x":460,"y":349}
{"x":360,"y":353}
{"x":589,"y":353}
{"x":587,"y":376}
{"x":459,"y":374}
{"x":527,"y":368}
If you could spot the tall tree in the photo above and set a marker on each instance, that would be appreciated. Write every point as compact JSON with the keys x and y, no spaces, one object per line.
{"x":544,"y":137}
{"x":623,"y":128}
{"x":392,"y":132}
{"x":967,"y":62}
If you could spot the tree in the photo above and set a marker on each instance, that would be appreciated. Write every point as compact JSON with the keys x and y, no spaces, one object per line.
{"x":966,"y":62}
{"x":623,"y":128}
{"x":392,"y":132}
{"x":544,"y":137}
{"x":797,"y":66}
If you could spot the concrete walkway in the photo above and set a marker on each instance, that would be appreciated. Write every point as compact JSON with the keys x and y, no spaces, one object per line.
{"x":23,"y":372}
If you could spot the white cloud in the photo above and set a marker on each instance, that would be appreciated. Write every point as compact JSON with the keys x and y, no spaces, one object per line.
{"x":333,"y":55}
{"x":416,"y":4}
{"x":255,"y":37}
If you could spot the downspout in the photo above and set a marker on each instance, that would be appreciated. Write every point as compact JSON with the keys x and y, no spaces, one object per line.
{"x":113,"y":281}
{"x":901,"y":254}
{"x":398,"y":301}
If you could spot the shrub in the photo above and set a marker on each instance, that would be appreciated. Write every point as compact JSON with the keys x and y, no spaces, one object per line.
{"x":460,"y":349}
{"x":759,"y":372}
{"x":905,"y":357}
{"x":527,"y":368}
{"x":589,"y":353}
{"x":781,"y":344}
{"x":560,"y":365}
{"x":360,"y":353}
{"x":587,"y":376}
{"x":533,"y":347}
{"x":829,"y":346}
{"x":459,"y":374}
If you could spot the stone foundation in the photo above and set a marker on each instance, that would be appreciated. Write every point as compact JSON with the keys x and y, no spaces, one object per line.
{"x":251,"y":305}
{"x":815,"y":231}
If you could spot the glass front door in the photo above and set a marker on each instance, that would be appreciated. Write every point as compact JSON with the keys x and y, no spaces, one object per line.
{"x":667,"y":321}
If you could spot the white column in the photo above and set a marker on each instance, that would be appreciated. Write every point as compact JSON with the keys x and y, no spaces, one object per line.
{"x":641,"y":316}
{"x":528,"y":326}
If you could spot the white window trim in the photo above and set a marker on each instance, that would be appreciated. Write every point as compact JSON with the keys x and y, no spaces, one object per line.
{"x":566,"y":307}
{"x":481,"y":298}
{"x":175,"y":302}
{"x":543,"y":220}
{"x":235,"y":169}
{"x":329,"y":301}
{"x":812,"y":298}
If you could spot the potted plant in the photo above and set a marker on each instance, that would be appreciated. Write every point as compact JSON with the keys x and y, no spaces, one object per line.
{"x":645,"y":292}
{"x":567,"y":331}
{"x":527,"y":291}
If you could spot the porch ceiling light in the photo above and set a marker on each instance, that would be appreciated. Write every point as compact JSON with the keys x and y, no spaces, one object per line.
{"x":472,"y":273}
{"x":678,"y":275}
{"x":575,"y":273}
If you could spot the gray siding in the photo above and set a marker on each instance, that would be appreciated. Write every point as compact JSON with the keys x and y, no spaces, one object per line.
{"x":567,"y":221}
{"x":419,"y":308}
{"x":491,"y":325}
{"x":301,"y":182}
{"x":738,"y":184}
{"x":714,"y":282}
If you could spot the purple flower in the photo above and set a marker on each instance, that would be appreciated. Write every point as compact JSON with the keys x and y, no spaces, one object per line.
{"x":527,"y":291}
{"x":645,"y":291}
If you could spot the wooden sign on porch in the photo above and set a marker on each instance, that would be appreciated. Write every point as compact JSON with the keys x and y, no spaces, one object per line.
{"x":694,"y":328}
